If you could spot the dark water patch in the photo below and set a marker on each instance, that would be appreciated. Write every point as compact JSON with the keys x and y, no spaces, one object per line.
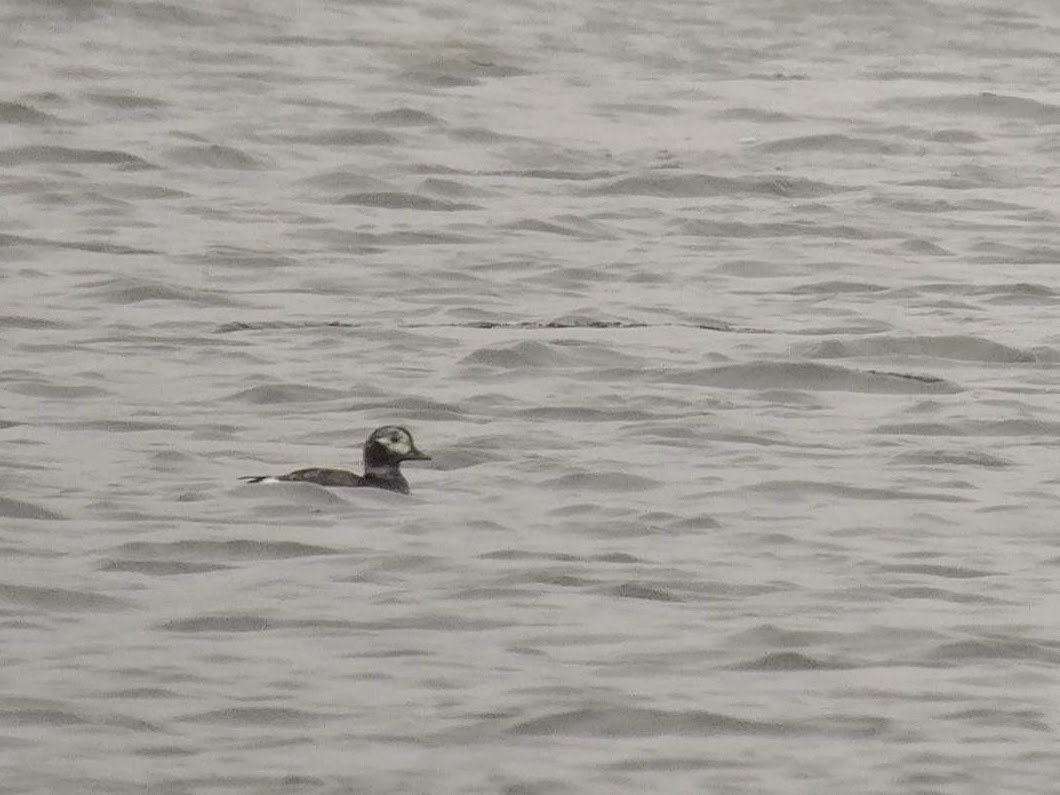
{"x":921,"y":205}
{"x":258,"y":716}
{"x":634,"y":722}
{"x":694,"y":186}
{"x":695,"y":523}
{"x":946,"y":135}
{"x":758,"y":115}
{"x":975,"y":458}
{"x":218,"y":623}
{"x":344,"y":181}
{"x":923,"y":379}
{"x":530,"y":354}
{"x":929,"y":75}
{"x":566,"y":322}
{"x":318,"y":626}
{"x":937,"y":570}
{"x":434,"y":622}
{"x":997,"y":650}
{"x":59,"y":599}
{"x":55,"y":391}
{"x":483,"y":136}
{"x":674,"y":764}
{"x":35,"y":323}
{"x":269,"y":394}
{"x":160,"y":568}
{"x":353,"y":136}
{"x":516,"y":591}
{"x":809,"y":376}
{"x":286,"y":784}
{"x":176,"y":14}
{"x":833,"y":143}
{"x":919,"y":429}
{"x":242,"y":258}
{"x":634,"y":590}
{"x":953,"y":182}
{"x":851,"y":727}
{"x":133,"y":192}
{"x":493,"y":68}
{"x":780,"y":397}
{"x":39,"y":717}
{"x":163,"y":751}
{"x":973,"y":428}
{"x":568,"y":226}
{"x":556,"y":174}
{"x":125,"y":290}
{"x":583,"y":414}
{"x":741,"y":230}
{"x":955,"y":347}
{"x":17,"y":509}
{"x":143,"y":692}
{"x":835,"y":287}
{"x":615,"y":557}
{"x":942,"y":595}
{"x":779,"y":637}
{"x":450,"y":188}
{"x":406,"y":117}
{"x":430,"y":78}
{"x":391,"y":654}
{"x":1028,"y":719}
{"x":993,"y":252}
{"x":616,"y":110}
{"x":393,"y":200}
{"x":985,"y":104}
{"x":92,"y":247}
{"x":594,"y":509}
{"x":124,"y":101}
{"x":17,"y":113}
{"x":600,"y":481}
{"x":401,"y":562}
{"x":411,"y":408}
{"x":434,"y":168}
{"x":24,"y":155}
{"x":776,"y":76}
{"x":564,"y":557}
{"x":788,"y":661}
{"x":122,"y":426}
{"x":1016,"y":293}
{"x":519,"y":355}
{"x":213,"y":551}
{"x":760,"y":440}
{"x":925,"y":247}
{"x":806,"y":488}
{"x":951,"y":135}
{"x":215,"y":156}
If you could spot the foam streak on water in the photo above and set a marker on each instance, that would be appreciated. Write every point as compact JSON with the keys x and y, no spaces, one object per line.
{"x":731,"y":329}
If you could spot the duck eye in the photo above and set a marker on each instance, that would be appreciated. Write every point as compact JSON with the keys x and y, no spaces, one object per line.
{"x":394,"y":438}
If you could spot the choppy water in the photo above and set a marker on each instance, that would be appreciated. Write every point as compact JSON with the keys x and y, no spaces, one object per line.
{"x":732,"y":329}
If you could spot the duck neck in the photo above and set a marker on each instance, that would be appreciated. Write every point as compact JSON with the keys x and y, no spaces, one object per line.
{"x":380,"y":467}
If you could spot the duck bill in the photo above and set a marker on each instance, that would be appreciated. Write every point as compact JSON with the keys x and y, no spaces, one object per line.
{"x":416,"y":455}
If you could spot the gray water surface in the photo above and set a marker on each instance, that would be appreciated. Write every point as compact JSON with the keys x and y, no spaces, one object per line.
{"x":732,"y":330}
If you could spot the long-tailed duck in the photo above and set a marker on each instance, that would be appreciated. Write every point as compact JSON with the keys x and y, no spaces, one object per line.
{"x":385,"y":450}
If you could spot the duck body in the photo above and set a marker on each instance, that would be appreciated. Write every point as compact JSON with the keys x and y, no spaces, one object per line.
{"x":384,"y":452}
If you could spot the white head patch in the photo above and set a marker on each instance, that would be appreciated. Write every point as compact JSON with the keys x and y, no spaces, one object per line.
{"x":396,"y":441}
